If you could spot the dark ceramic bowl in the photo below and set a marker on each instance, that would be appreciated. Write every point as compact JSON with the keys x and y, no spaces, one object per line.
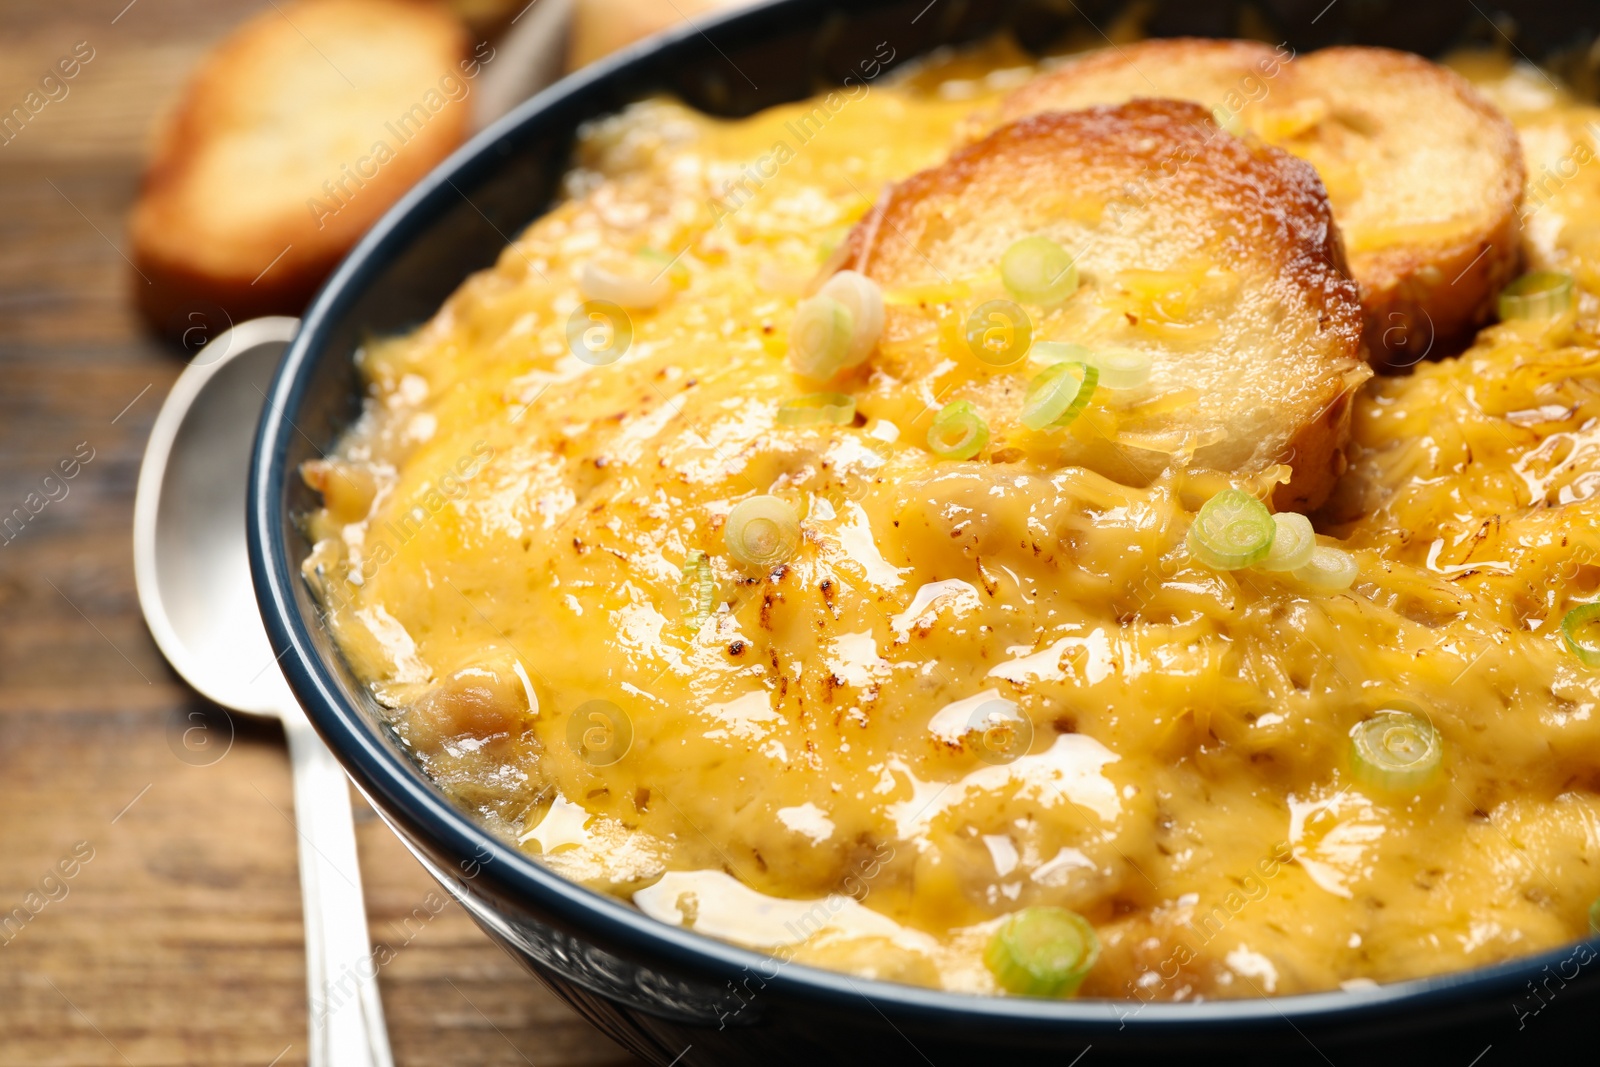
{"x":670,"y":995}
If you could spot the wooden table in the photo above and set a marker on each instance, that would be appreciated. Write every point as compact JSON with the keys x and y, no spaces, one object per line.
{"x":179,"y":940}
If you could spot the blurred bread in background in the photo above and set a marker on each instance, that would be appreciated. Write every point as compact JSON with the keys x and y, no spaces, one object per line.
{"x":600,"y":27}
{"x":292,"y":138}
{"x":310,"y":120}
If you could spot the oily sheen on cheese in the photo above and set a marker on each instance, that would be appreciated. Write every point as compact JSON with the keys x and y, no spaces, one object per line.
{"x":507,"y":528}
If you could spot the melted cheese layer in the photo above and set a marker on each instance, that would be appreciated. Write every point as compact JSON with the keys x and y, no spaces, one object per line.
{"x":508,"y":527}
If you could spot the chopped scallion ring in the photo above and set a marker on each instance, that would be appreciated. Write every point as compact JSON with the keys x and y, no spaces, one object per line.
{"x":1036,"y":270}
{"x":1058,"y":395}
{"x":1042,"y":952}
{"x":697,"y":588}
{"x":1594,"y":917}
{"x":1233,"y":530}
{"x":837,"y":328}
{"x":1395,"y":752}
{"x":1059,"y":352}
{"x":819,"y":340}
{"x":1330,"y":570}
{"x":1580,"y":629}
{"x":999,"y":332}
{"x":1292,"y":544}
{"x":763,"y":531}
{"x":1543,"y":294}
{"x":1121,"y":368}
{"x":958,"y":431}
{"x":863,"y":298}
{"x":836,"y":408}
{"x":634,"y":285}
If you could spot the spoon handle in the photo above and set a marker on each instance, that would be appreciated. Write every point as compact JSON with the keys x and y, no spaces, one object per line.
{"x":346,"y":1025}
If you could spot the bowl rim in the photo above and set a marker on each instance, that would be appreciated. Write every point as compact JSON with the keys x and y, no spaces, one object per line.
{"x":403,"y":793}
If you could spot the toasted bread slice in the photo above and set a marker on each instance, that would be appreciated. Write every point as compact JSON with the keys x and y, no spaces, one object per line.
{"x":300,"y":130}
{"x":1232,"y":77}
{"x":1426,"y":179}
{"x":1424,"y":175}
{"x":1216,"y":256}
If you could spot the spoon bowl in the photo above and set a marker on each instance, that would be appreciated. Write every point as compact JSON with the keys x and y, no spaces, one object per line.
{"x":192,"y":568}
{"x":191,"y":563}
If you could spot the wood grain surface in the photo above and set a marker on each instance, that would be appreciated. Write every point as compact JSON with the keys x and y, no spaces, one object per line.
{"x":176,"y":938}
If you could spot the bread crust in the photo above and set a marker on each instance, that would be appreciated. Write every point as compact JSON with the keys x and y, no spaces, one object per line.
{"x":267,"y":172}
{"x":1425,"y":175}
{"x":1425,"y":297}
{"x":1184,"y":68}
{"x":1147,"y":184}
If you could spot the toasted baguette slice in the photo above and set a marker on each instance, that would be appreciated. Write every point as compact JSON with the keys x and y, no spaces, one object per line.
{"x":296,"y":133}
{"x":1424,"y":175}
{"x":1215,"y":255}
{"x":1230,"y":76}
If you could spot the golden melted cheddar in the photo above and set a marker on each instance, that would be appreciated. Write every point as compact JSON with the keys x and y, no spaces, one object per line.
{"x":813,"y":768}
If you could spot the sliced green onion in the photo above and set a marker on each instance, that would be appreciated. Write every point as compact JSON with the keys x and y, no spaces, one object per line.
{"x":958,"y":431}
{"x":1293,"y":543}
{"x":1594,"y":917}
{"x":1042,"y":952}
{"x":1233,"y":530}
{"x":1581,"y":631}
{"x":819,"y":340}
{"x":862,"y":297}
{"x":1543,"y":294}
{"x":697,"y":588}
{"x":1058,"y":395}
{"x":763,"y":531}
{"x":1060,"y":352}
{"x":1121,"y":368}
{"x":1036,"y":270}
{"x":999,"y":332}
{"x":622,"y":282}
{"x":836,"y":408}
{"x":1331,"y":570}
{"x":1395,"y":752}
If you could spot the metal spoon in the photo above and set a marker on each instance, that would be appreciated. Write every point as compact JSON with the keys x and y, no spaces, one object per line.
{"x":194,"y":586}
